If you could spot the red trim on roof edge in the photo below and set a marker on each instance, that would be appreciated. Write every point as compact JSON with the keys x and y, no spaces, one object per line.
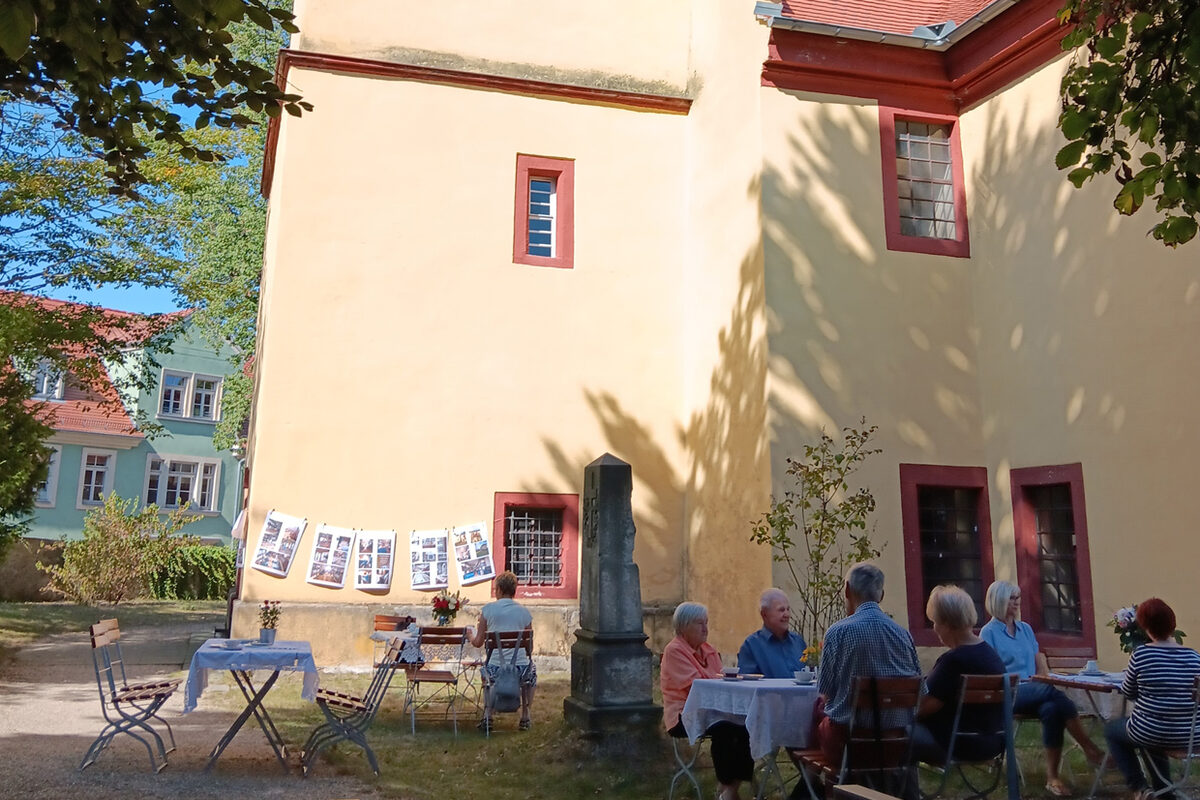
{"x":1008,"y":48}
{"x":475,"y":80}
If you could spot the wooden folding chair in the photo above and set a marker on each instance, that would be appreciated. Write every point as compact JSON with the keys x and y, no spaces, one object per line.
{"x":443,"y":671}
{"x":505,"y":643}
{"x":127,"y":707}
{"x":980,"y":777}
{"x":877,"y":756}
{"x":348,"y":716}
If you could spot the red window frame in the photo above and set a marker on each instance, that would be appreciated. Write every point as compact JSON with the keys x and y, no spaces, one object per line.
{"x":1082,"y":645}
{"x":569,"y":504}
{"x":562,"y":170}
{"x":959,"y":247}
{"x":913,"y":476}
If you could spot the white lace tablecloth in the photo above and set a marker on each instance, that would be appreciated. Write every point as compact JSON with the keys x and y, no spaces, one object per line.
{"x":283,"y":656}
{"x":776,"y":711}
{"x":410,"y":652}
{"x":1103,"y":689}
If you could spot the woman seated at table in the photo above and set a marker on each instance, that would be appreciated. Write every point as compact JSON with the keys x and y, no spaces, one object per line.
{"x":1159,"y":680}
{"x":952,"y":612}
{"x":506,"y":615}
{"x":1018,"y":647}
{"x":687,"y":657}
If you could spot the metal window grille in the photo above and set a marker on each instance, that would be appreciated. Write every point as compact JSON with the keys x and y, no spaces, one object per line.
{"x":533,"y":539}
{"x":1058,"y":568}
{"x":542,"y":211}
{"x":925,"y":180}
{"x":950,"y":547}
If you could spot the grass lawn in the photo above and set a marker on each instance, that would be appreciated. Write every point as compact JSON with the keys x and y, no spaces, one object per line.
{"x":551,"y":760}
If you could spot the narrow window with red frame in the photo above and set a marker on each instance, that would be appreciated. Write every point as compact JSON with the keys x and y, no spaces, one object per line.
{"x":1053,"y":565}
{"x":947,"y":537}
{"x":923,"y":193}
{"x":537,"y":538}
{"x":544,"y":221}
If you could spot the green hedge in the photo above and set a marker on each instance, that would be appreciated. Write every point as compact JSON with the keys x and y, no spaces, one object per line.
{"x":199,"y":572}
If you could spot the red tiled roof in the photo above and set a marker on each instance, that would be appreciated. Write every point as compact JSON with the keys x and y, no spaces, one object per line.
{"x":889,"y":16}
{"x":89,"y":416}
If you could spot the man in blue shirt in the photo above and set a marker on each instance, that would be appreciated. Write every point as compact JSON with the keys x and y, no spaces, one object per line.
{"x":773,"y":651}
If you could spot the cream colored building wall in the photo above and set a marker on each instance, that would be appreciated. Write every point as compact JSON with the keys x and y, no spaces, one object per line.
{"x":621,"y":42}
{"x":409,"y":370}
{"x":855,"y":329}
{"x":1087,"y":330}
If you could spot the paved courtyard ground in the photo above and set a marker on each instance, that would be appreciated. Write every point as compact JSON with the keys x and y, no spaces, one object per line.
{"x":50,"y":713}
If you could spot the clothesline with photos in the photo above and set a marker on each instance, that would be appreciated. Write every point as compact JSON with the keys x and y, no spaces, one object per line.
{"x":371,"y":555}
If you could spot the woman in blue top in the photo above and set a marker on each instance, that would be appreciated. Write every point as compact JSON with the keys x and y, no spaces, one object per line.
{"x":1159,"y":680}
{"x":1018,"y":647}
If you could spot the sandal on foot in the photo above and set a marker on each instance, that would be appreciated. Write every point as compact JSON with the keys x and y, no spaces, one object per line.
{"x":524,"y":724}
{"x":1058,"y":789}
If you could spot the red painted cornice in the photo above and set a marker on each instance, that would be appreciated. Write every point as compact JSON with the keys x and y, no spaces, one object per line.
{"x":475,"y":80}
{"x":1006,"y":49}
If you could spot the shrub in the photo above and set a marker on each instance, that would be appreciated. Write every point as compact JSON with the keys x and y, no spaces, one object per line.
{"x":195,"y":572}
{"x":118,"y":553}
{"x":829,"y":523}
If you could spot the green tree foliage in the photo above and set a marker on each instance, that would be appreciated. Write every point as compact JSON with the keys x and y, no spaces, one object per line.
{"x":120,"y":550}
{"x":195,"y":572}
{"x":23,"y":458}
{"x":1131,"y":106}
{"x":818,"y":529}
{"x":90,"y":65}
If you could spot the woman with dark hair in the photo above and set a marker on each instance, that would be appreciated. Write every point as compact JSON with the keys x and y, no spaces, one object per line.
{"x":1159,"y":680}
{"x":1014,"y":640}
{"x":685,"y":658}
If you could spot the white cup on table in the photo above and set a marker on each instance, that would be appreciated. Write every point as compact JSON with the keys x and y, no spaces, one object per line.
{"x":1090,"y":667}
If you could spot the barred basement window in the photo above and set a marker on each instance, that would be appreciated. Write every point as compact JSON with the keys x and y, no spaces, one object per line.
{"x":950,"y":551}
{"x":533,"y":542}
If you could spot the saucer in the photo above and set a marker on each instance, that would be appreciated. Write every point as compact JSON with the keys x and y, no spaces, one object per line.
{"x":228,"y":646}
{"x":751,"y":676}
{"x":804,"y":682}
{"x":1096,"y":673}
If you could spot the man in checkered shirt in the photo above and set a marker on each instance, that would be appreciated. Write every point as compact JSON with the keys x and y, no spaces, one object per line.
{"x":866,"y":643}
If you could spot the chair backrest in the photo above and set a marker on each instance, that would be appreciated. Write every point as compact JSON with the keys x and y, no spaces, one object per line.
{"x":978,"y":691}
{"x":392,"y":622}
{"x":879,"y":740}
{"x":443,"y":645}
{"x":106,"y":657}
{"x":383,"y":676}
{"x":507,"y":641}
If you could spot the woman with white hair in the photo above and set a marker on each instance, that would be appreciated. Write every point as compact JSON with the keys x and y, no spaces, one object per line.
{"x":1015,"y":642}
{"x":952,"y":612}
{"x":685,"y":658}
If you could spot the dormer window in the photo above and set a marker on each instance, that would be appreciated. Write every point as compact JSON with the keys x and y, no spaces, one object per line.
{"x":47,"y":381}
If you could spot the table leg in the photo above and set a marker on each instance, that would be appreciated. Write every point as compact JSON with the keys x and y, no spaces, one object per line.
{"x":253,"y":706}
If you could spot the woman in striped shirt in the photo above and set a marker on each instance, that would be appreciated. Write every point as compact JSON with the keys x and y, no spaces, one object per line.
{"x":1159,"y":680}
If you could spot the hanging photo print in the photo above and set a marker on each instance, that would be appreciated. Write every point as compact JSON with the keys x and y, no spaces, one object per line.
{"x":330,"y":556}
{"x":430,"y":559}
{"x":278,"y":542}
{"x":472,"y":554}
{"x":374,"y":559}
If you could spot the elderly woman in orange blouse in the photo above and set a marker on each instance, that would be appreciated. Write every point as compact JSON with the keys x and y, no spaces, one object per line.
{"x":687,"y":657}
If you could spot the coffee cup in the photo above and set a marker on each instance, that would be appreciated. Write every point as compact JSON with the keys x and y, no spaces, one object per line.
{"x":730,"y":672}
{"x":804,"y":676}
{"x":1090,"y":667}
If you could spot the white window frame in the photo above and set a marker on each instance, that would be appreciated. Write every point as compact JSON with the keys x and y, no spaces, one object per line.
{"x":43,"y":374}
{"x":187,"y":398}
{"x":109,"y":472}
{"x":551,"y":217}
{"x":163,"y":474}
{"x":51,"y":484}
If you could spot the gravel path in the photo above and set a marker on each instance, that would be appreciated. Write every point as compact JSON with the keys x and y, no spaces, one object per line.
{"x":50,"y":713}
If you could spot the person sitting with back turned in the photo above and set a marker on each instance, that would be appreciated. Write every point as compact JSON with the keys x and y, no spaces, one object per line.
{"x":505,"y":615}
{"x":773,"y":650}
{"x":867,"y":643}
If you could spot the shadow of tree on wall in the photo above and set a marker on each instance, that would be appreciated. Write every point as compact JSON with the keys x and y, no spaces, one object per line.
{"x":1008,"y":358}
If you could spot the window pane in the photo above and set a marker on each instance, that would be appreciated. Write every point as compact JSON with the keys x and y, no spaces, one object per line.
{"x":950,"y":548}
{"x":1054,"y":514}
{"x":533,"y":545}
{"x":925,"y":172}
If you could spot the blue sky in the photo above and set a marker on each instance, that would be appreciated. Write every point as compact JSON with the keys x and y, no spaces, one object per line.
{"x":139,"y":299}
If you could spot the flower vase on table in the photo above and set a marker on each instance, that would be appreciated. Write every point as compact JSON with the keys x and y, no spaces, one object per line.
{"x":268,"y":619}
{"x":446,"y":606}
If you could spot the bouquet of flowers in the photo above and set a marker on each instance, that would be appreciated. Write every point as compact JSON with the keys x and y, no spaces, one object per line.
{"x":811,"y":657}
{"x":268,"y":614}
{"x":446,"y":605}
{"x":1124,"y":624}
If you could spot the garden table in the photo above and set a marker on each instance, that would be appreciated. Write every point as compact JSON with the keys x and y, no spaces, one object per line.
{"x":1100,"y":692}
{"x":241,"y":657}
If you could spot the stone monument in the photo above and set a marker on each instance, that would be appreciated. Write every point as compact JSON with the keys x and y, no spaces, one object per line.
{"x":610,"y":663}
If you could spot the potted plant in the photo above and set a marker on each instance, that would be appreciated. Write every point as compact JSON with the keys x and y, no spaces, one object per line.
{"x":268,"y":621}
{"x":446,"y":606}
